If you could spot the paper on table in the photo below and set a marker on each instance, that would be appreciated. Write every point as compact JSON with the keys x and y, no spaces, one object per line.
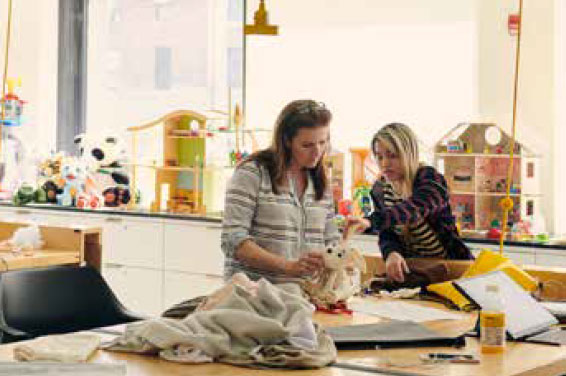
{"x":70,"y":348}
{"x":403,"y":311}
{"x":57,"y":369}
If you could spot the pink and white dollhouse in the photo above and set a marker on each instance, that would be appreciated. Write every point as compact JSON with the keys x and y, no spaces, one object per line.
{"x":474,"y":158}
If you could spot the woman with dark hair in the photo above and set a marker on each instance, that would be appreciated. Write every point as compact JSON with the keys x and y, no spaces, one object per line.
{"x":278,"y":210}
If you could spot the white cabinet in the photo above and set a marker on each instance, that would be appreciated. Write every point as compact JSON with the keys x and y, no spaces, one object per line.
{"x":178,"y":286}
{"x":557,"y":258}
{"x":132,"y":242}
{"x":19,"y":214}
{"x":518,"y":255}
{"x":520,"y":258}
{"x":193,"y":247}
{"x":115,"y":277}
{"x":139,"y":289}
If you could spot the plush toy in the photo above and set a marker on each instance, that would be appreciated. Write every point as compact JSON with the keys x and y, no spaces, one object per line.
{"x":50,"y":168}
{"x":104,"y":157}
{"x":335,"y":285}
{"x":51,"y":190}
{"x":26,"y":194}
{"x":25,"y":239}
{"x":73,"y":173}
{"x":49,"y":177}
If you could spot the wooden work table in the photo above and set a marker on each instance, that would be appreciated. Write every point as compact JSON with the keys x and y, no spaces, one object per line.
{"x":519,"y":359}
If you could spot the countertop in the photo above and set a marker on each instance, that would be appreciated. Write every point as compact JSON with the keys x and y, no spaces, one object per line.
{"x":552,"y":244}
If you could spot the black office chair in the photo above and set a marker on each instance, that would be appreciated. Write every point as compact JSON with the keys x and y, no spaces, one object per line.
{"x":53,"y":300}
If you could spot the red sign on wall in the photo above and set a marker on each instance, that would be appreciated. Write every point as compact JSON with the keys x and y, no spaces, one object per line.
{"x":513,"y":24}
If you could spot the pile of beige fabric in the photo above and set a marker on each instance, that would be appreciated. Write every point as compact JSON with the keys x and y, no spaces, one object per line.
{"x":244,"y":323}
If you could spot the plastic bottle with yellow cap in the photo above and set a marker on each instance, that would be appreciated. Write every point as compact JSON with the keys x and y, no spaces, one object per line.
{"x":492,"y":322}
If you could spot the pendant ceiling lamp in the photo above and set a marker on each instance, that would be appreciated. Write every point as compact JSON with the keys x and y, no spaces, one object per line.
{"x":261,"y":24}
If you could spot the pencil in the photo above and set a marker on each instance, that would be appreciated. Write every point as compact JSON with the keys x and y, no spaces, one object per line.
{"x":372,"y":369}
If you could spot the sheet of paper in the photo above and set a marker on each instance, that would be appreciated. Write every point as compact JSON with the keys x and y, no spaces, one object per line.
{"x":56,"y":369}
{"x":403,"y":311}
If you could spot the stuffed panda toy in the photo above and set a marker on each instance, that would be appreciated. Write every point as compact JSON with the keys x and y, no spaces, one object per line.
{"x":104,"y":157}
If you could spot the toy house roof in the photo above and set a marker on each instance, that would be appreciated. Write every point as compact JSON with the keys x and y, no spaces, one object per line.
{"x":473,"y":134}
{"x":167,"y":117}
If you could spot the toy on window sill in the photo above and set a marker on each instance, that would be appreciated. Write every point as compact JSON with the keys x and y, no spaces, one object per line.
{"x":521,"y":230}
{"x":27,"y":194}
{"x":108,"y":182}
{"x":51,"y":190}
{"x":13,"y":149}
{"x":115,"y":196}
{"x":73,"y":173}
{"x":494,"y":232}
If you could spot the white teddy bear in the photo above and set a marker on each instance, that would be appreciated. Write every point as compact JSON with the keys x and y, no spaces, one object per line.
{"x":335,"y":283}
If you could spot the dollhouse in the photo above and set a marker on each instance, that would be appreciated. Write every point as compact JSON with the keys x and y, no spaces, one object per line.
{"x":177,"y":161}
{"x":474,"y":158}
{"x":184,"y":159}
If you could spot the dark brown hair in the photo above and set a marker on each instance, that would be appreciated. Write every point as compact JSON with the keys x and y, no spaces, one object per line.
{"x":304,"y":113}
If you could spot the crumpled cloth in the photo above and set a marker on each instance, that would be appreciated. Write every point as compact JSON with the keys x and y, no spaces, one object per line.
{"x":68,"y":348}
{"x":257,"y":324}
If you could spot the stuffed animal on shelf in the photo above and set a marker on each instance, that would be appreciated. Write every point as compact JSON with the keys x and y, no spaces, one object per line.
{"x":51,"y":190}
{"x":28,"y":194}
{"x":73,"y":174}
{"x":109,"y":180}
{"x":49,"y":177}
{"x":24,"y":240}
{"x":335,"y":284}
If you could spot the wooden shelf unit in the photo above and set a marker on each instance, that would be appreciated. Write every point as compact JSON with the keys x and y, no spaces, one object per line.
{"x":63,"y":245}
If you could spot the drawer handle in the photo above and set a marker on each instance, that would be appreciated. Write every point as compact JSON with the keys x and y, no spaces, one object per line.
{"x":23,"y":211}
{"x":113,"y":219}
{"x":214,"y":227}
{"x":112,"y":266}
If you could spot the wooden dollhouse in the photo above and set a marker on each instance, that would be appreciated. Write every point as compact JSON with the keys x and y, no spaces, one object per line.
{"x":177,"y":161}
{"x":187,"y":159}
{"x":474,"y":158}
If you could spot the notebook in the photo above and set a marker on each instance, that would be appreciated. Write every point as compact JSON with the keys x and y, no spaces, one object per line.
{"x":389,"y":334}
{"x":527,"y":319}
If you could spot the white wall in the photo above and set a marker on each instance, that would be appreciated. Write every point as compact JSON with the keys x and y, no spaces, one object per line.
{"x":371,"y":62}
{"x":560,"y":119}
{"x":431,"y":64}
{"x":33,"y":58}
{"x":536,"y":122}
{"x":123,"y":37}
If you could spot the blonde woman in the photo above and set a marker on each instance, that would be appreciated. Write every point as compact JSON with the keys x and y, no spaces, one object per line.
{"x":413,"y":214}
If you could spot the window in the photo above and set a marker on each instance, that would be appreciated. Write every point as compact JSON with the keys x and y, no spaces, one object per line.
{"x":150,"y":57}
